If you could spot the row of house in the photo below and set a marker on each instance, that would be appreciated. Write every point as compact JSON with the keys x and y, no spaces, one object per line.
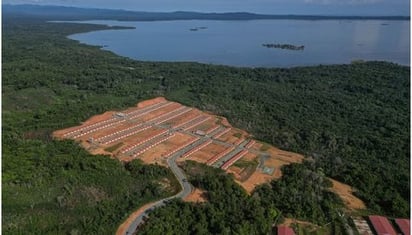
{"x":379,"y":226}
{"x":382,"y":226}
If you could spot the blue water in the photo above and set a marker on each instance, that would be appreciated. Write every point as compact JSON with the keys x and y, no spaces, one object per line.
{"x":239,"y":43}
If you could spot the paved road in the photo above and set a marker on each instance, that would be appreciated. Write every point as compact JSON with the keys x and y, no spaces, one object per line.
{"x":186,"y":186}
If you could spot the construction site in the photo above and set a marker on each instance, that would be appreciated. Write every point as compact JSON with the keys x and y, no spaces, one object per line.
{"x":157,"y":129}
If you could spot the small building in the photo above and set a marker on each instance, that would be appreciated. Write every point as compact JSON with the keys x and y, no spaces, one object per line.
{"x":120,"y":115}
{"x":381,"y":225}
{"x":284,"y":230}
{"x":362,"y":226}
{"x":404,"y":226}
{"x":201,"y":133}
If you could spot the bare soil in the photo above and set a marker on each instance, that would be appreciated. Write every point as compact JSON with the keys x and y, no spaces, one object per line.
{"x":156,"y":154}
{"x":204,"y":154}
{"x":231,"y":137}
{"x":277,"y":158}
{"x":288,"y":222}
{"x":197,"y":196}
{"x":345,"y":192}
{"x":145,"y":103}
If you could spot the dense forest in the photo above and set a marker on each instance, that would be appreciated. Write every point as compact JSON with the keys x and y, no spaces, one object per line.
{"x":74,"y":13}
{"x":351,"y":120}
{"x":229,"y":210}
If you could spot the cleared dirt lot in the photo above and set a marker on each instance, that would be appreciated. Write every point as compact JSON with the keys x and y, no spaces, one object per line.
{"x":204,"y":154}
{"x":154,"y":129}
{"x":346,"y":193}
{"x":197,"y":196}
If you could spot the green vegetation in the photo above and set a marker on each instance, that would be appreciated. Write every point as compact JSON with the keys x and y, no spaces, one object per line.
{"x":302,"y":193}
{"x":72,"y":13}
{"x":113,"y":147}
{"x":243,"y":163}
{"x":56,"y":187}
{"x":238,"y":135}
{"x":352,"y":120}
{"x":229,"y":210}
{"x":248,"y":168}
{"x":264,"y":147}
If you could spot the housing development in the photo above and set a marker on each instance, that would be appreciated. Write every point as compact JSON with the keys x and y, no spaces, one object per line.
{"x":159,"y":130}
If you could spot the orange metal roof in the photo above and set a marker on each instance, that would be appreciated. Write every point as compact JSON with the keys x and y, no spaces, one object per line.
{"x":404,"y":225}
{"x":382,"y":225}
{"x":283,"y":230}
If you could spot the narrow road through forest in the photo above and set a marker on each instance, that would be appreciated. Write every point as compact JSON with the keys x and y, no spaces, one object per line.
{"x":129,"y":227}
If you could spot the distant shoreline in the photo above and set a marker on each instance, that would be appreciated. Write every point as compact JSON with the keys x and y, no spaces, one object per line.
{"x":75,"y":13}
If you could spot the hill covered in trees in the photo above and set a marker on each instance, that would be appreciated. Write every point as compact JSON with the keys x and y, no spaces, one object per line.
{"x":229,"y":210}
{"x":351,"y":120}
{"x":75,"y":13}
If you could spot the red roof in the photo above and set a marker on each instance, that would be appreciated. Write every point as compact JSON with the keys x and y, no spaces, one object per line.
{"x":404,"y":225}
{"x":283,"y":230}
{"x":382,"y":225}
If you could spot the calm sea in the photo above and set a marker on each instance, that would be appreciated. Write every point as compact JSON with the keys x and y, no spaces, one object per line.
{"x":239,"y":43}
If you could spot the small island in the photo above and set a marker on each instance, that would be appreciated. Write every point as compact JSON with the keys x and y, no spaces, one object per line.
{"x":284,"y":46}
{"x":198,"y":28}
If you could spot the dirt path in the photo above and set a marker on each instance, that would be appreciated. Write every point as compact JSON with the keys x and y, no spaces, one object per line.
{"x":126,"y":224}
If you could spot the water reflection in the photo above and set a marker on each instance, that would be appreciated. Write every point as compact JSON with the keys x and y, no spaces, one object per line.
{"x":239,"y":43}
{"x":366,"y":34}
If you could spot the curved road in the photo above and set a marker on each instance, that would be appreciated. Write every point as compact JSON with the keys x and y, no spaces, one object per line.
{"x":187,"y":189}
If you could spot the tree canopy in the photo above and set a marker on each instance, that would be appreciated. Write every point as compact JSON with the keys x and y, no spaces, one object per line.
{"x":352,"y":120}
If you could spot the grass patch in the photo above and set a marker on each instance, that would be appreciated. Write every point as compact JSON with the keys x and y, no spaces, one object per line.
{"x":113,"y":147}
{"x":264,"y":147}
{"x":307,"y":229}
{"x":237,"y":135}
{"x":243,"y":163}
{"x":218,"y":121}
{"x":249,"y":167}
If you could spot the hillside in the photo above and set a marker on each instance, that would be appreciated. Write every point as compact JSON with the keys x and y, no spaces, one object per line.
{"x":74,"y":13}
{"x":351,"y":120}
{"x":156,"y":129}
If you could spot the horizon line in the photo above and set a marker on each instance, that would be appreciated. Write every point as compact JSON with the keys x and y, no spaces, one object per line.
{"x":200,"y":12}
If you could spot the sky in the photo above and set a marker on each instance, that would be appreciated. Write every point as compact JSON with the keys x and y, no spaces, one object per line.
{"x":318,"y":7}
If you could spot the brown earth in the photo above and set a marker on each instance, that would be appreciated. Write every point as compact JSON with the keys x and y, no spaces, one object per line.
{"x":277,"y":158}
{"x":157,"y":113}
{"x":203,"y":126}
{"x":126,"y":224}
{"x":288,"y":222}
{"x":181,"y":119}
{"x":231,"y":137}
{"x":204,"y":154}
{"x":97,"y":118}
{"x":235,"y":170}
{"x":250,"y":157}
{"x":345,"y":192}
{"x":155,"y":155}
{"x":153,"y":101}
{"x":254,"y":180}
{"x":99,"y":152}
{"x":197,"y":196}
